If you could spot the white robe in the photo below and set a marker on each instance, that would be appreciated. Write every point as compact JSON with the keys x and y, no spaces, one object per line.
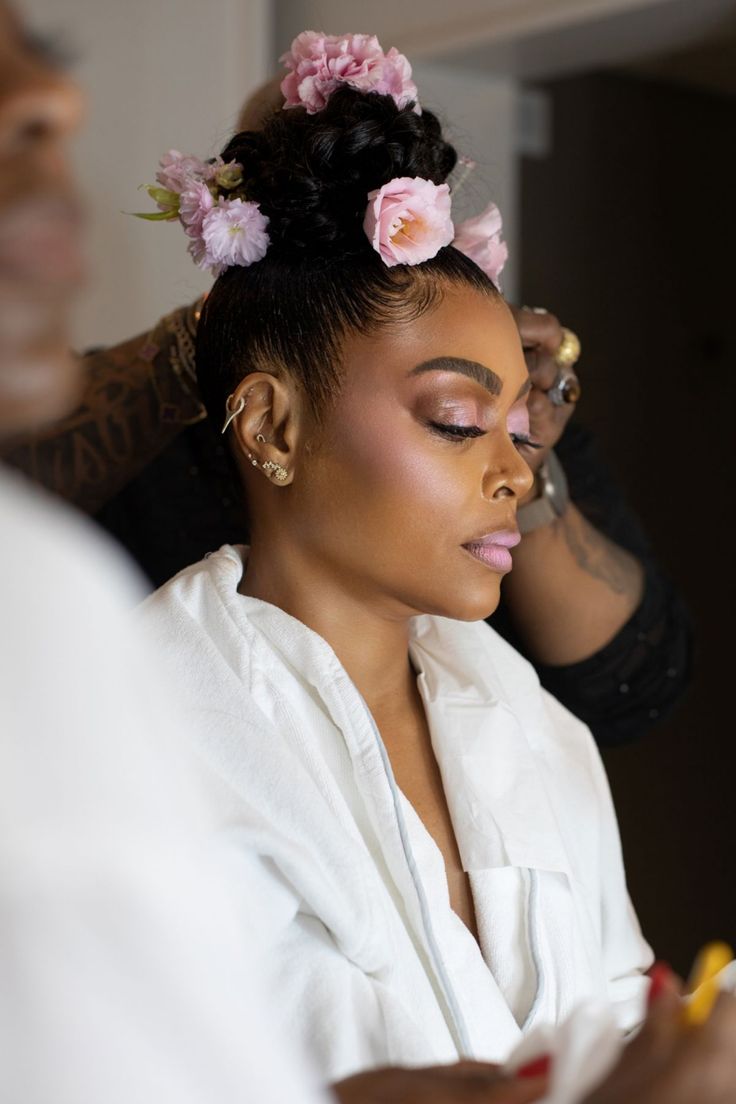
{"x":338,"y":873}
{"x":123,"y":978}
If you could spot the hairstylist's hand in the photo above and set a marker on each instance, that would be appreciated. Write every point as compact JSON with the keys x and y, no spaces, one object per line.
{"x":462,"y":1083}
{"x":671,"y":1064}
{"x":541,"y":337}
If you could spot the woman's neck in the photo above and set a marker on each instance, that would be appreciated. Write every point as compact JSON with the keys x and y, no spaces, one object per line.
{"x":370,"y":638}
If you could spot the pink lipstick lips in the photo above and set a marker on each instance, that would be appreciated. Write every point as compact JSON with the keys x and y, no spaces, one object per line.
{"x":493,"y":549}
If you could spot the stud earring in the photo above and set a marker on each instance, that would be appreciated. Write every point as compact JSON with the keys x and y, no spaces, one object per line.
{"x":232,"y":412}
{"x":270,"y":467}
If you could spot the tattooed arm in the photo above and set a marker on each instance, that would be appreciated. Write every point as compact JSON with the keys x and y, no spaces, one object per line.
{"x":137,"y":397}
{"x":587,"y":602}
{"x":572,"y":589}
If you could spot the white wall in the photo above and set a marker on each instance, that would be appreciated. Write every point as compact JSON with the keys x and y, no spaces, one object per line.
{"x":479,"y":115}
{"x":522,"y":37}
{"x":158,"y":74}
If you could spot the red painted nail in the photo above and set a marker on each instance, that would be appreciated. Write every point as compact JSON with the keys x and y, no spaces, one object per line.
{"x":539,"y":1067}
{"x":659,"y":976}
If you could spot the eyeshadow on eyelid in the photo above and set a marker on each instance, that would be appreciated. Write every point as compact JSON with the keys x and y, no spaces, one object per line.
{"x":455,"y":416}
{"x":518,"y":421}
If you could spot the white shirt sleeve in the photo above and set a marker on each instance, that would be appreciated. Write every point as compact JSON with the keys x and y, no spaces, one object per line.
{"x":122,"y":974}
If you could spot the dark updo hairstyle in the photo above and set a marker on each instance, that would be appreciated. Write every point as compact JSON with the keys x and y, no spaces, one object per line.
{"x":321,"y":279}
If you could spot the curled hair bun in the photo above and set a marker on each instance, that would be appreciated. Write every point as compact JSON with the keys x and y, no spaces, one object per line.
{"x":311,"y":174}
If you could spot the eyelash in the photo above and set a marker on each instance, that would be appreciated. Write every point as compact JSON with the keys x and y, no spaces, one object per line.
{"x":462,"y":433}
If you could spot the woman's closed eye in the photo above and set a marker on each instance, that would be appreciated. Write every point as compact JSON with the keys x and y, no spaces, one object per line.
{"x":463,"y":432}
{"x":456,"y":432}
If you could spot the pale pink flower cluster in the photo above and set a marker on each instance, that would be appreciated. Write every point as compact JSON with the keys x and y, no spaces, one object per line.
{"x":233,"y":233}
{"x":480,"y":239}
{"x":195,"y":200}
{"x":222,"y":231}
{"x":409,"y":220}
{"x":179,"y":170}
{"x":319,"y":63}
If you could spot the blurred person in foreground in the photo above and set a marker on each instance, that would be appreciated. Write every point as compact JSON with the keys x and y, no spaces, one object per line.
{"x":122,"y":977}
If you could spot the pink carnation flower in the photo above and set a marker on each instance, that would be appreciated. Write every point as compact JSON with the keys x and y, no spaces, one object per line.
{"x":395,"y":79}
{"x":178,"y":170}
{"x":194,"y":203}
{"x":233,"y":233}
{"x":480,"y":239}
{"x":319,"y":63}
{"x":408,"y":220}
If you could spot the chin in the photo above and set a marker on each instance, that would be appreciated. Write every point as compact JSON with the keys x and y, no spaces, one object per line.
{"x":478,"y":612}
{"x":473,"y":603}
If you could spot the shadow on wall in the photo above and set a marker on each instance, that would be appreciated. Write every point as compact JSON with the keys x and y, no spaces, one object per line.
{"x":629,"y":236}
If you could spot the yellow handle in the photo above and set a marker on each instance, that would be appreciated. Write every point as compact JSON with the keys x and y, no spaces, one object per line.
{"x":703,"y":984}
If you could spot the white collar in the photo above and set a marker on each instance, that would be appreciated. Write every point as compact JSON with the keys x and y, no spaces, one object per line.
{"x":485,"y":712}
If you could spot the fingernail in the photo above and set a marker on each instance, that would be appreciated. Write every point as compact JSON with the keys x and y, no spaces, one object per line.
{"x":659,"y":977}
{"x":539,"y":1067}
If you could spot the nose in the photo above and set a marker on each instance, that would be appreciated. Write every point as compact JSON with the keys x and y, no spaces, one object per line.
{"x":37,"y":113}
{"x":509,"y":477}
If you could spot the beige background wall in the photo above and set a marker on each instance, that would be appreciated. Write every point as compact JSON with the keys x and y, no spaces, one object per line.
{"x":480,"y":117}
{"x":158,"y":74}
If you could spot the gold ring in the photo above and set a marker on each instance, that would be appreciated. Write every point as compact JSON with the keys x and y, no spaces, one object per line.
{"x":568,"y":352}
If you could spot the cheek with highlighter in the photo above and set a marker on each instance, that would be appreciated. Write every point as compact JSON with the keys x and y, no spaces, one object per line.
{"x":416,"y":487}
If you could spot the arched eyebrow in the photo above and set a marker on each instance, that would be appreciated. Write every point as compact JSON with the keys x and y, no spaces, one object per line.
{"x":486,"y":377}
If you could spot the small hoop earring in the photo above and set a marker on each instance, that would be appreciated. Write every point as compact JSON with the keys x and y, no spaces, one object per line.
{"x":260,"y":439}
{"x":270,"y":467}
{"x":232,"y":413}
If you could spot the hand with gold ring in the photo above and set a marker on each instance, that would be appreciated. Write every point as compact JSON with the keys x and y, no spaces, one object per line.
{"x":550,"y":351}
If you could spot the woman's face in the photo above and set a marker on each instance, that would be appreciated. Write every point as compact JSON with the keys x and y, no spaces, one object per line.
{"x":410,"y":497}
{"x":40,"y":266}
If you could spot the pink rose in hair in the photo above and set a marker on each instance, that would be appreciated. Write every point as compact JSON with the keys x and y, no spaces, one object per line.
{"x":408,"y":220}
{"x":177,"y":170}
{"x":234,"y":233}
{"x":480,"y":239}
{"x":319,"y":63}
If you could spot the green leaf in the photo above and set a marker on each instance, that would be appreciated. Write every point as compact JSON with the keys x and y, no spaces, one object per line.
{"x":154,"y":216}
{"x":163,"y":197}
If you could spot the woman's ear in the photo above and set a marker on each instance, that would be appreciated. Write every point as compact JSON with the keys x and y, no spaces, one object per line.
{"x":268,"y":426}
